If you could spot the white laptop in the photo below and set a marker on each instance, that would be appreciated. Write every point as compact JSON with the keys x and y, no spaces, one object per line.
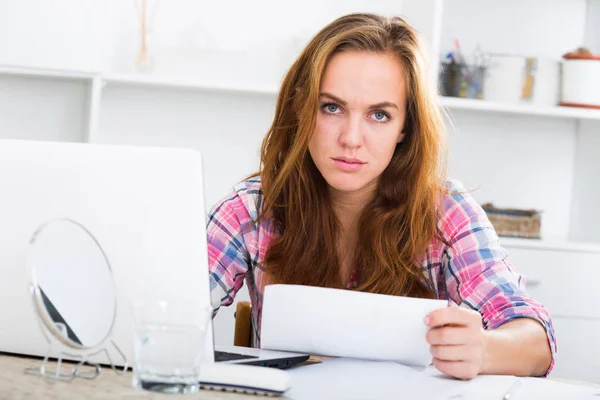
{"x":145,"y":207}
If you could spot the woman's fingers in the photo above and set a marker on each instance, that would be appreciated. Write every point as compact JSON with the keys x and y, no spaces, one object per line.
{"x":458,"y":369}
{"x":451,"y":335}
{"x":457,"y":341}
{"x":453,"y":316}
{"x":453,"y":352}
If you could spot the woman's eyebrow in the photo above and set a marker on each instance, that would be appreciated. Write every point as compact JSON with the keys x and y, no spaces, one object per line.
{"x":384,"y":104}
{"x":334,"y":98}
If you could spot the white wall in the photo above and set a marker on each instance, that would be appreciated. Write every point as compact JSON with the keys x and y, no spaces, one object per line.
{"x":92,"y":35}
{"x":59,"y":34}
{"x":227,"y":128}
{"x":535,"y":28}
{"x":592,"y":32}
{"x":42,"y":109}
{"x":585,"y":213}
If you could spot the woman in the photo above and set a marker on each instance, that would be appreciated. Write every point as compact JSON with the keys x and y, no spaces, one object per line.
{"x":352,"y":194}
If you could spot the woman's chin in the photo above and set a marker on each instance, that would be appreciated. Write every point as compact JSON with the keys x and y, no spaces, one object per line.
{"x":347,"y":185}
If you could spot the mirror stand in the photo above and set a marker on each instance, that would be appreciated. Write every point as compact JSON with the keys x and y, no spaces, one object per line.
{"x":57,"y":374}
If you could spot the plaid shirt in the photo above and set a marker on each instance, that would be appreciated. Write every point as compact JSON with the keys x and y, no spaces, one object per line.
{"x":474,"y":272}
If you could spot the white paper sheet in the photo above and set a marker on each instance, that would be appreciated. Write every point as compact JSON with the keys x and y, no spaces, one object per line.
{"x":547,"y":389}
{"x":345,"y":323}
{"x":496,"y":386}
{"x":351,"y":379}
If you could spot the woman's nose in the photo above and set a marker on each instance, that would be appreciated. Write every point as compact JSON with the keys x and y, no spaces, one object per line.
{"x":352,"y":133}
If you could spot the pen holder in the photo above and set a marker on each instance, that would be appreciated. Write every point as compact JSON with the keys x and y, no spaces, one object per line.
{"x":461,"y":80}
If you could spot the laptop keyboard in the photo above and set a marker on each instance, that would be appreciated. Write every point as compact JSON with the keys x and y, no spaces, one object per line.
{"x":224,"y":356}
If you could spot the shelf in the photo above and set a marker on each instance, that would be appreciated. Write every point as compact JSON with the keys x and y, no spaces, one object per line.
{"x":454,"y":103}
{"x":151,"y":81}
{"x":142,"y":80}
{"x":553,"y":245}
{"x":46,"y":73}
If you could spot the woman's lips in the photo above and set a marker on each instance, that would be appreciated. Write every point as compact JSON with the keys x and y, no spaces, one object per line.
{"x":348,"y":165}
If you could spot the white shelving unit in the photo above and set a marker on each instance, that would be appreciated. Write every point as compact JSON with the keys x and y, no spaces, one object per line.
{"x":142,"y":81}
{"x":563,"y":246}
{"x":154,"y":82}
{"x":170,"y":83}
{"x":178,"y":84}
{"x":46,"y":73}
{"x":483,"y":106}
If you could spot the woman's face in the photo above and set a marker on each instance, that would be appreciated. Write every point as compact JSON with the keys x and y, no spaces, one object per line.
{"x":360,"y":119}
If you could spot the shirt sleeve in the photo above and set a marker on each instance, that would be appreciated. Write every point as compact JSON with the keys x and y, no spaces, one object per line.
{"x":228,"y":257}
{"x":477,"y":272}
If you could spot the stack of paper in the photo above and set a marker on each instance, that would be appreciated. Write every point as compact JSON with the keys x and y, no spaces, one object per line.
{"x":346,"y":324}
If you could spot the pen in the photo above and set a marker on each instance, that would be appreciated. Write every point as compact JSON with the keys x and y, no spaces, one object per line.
{"x":512,"y":389}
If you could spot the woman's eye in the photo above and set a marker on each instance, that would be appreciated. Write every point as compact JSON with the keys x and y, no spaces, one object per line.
{"x":380,"y":116}
{"x":331,"y":108}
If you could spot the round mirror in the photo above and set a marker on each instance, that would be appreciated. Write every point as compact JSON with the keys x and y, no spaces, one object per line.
{"x":73,"y":289}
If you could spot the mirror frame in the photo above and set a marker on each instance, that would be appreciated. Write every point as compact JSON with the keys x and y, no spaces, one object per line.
{"x":37,"y":296}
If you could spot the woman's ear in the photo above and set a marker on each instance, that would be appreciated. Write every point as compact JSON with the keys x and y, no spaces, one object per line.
{"x":401,"y":137}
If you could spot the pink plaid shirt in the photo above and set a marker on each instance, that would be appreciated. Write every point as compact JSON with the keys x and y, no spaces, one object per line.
{"x":473,"y":272}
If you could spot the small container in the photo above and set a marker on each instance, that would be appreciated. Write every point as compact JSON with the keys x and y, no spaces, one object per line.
{"x":516,"y":79}
{"x":504,"y":78}
{"x":514,"y":222}
{"x":542,"y":81}
{"x":459,"y":80}
{"x":581,"y":81}
{"x":169,"y":345}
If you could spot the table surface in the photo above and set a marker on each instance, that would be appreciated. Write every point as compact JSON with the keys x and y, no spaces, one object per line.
{"x":15,"y":384}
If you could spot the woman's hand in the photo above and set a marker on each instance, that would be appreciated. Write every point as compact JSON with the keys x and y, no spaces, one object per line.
{"x":458,"y":341}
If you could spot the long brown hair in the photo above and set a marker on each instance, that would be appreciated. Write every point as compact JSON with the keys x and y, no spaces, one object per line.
{"x":399,"y":223}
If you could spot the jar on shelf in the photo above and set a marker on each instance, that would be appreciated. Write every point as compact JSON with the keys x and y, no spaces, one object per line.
{"x":581,"y":80}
